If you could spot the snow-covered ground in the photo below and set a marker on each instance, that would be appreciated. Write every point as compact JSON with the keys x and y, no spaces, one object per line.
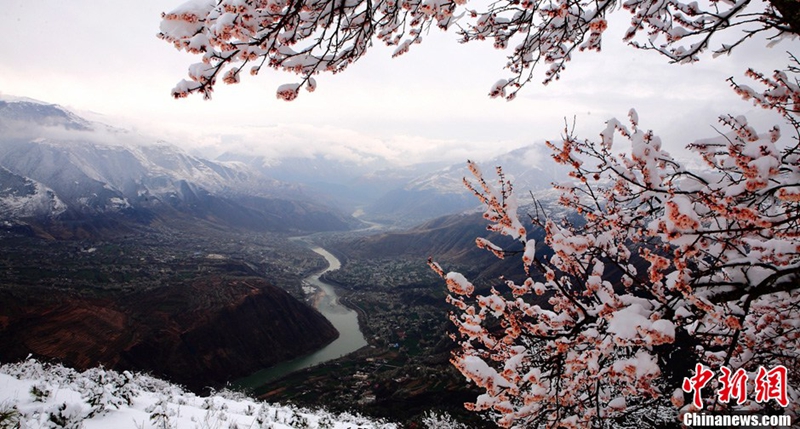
{"x":36,"y":395}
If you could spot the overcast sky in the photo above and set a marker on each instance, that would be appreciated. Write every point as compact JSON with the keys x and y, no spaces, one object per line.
{"x":102,"y":58}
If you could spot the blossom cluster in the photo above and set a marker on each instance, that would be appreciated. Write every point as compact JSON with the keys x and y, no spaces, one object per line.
{"x":667,"y":267}
{"x":308,"y":37}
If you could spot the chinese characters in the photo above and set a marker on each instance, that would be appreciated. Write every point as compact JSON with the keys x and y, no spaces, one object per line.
{"x":768,"y":384}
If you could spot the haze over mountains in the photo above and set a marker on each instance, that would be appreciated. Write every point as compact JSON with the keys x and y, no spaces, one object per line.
{"x":56,"y":165}
{"x":134,"y":253}
{"x":59,"y":166}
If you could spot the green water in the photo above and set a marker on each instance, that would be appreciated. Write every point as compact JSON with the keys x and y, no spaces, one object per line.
{"x":344,"y":319}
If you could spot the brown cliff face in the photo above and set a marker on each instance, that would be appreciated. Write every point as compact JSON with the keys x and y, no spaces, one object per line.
{"x":200,"y":333}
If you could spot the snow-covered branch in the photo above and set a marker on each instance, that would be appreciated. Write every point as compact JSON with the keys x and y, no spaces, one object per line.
{"x":668,"y":267}
{"x":308,"y":37}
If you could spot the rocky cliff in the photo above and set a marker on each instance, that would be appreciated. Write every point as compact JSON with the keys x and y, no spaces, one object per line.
{"x":200,"y":333}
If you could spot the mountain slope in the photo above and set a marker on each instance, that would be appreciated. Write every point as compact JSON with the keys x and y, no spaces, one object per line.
{"x":33,"y":394}
{"x":22,"y":112}
{"x":442,"y":192}
{"x":346,"y":184}
{"x":98,"y":171}
{"x":125,"y":287}
{"x":200,"y":333}
{"x":23,"y":197}
{"x":449,"y":240}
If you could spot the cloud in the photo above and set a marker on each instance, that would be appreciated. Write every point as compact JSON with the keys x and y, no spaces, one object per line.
{"x":343,"y":144}
{"x":427,"y":105}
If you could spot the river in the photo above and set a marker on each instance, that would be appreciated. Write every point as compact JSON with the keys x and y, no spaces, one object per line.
{"x":343,"y":319}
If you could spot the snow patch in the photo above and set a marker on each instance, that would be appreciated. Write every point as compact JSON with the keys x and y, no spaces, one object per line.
{"x":39,"y":394}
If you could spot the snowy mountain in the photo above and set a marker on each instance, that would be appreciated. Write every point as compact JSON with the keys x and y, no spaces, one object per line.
{"x":342,"y":183}
{"x":529,"y":168}
{"x":23,"y":197}
{"x":97,"y":170}
{"x":94,"y":177}
{"x":442,"y":192}
{"x":22,"y":112}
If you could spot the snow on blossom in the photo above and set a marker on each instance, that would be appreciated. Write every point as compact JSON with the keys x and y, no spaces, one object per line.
{"x":607,"y":135}
{"x":626,"y":322}
{"x":498,"y":89}
{"x":519,"y":355}
{"x":484,"y":243}
{"x":185,"y":20}
{"x":198,"y":43}
{"x":681,"y":214}
{"x":478,"y":370}
{"x":183,"y":88}
{"x":530,"y":252}
{"x":288,"y":91}
{"x":570,"y":244}
{"x":662,"y":331}
{"x":402,"y":48}
{"x":459,"y":284}
{"x":642,"y":366}
{"x":493,"y":302}
{"x":618,"y":404}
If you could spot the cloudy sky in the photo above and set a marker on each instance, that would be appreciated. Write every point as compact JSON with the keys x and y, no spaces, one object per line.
{"x":103,"y":59}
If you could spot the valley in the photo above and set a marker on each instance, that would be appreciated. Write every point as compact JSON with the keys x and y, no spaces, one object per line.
{"x":137,"y":255}
{"x":197,"y":308}
{"x":112,"y":290}
{"x":148,"y":258}
{"x":324,"y":298}
{"x":405,"y":371}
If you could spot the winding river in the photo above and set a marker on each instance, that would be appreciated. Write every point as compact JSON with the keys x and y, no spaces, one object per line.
{"x":343,"y":319}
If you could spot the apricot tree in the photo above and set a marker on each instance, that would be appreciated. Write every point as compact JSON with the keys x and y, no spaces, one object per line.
{"x":671,"y":273}
{"x":667,"y":268}
{"x":309,"y":37}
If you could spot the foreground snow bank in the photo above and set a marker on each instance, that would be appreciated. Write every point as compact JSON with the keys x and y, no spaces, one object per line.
{"x":37,"y":395}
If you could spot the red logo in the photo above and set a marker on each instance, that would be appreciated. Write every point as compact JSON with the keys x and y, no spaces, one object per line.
{"x":702,"y":376}
{"x":732,"y":387}
{"x":769,"y":384}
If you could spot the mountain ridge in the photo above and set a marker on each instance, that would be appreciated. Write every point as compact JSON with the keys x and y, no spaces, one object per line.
{"x":96,"y":173}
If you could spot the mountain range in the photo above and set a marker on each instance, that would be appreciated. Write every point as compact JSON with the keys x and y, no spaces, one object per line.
{"x":442,"y":192}
{"x":58,"y":165}
{"x":138,"y":254}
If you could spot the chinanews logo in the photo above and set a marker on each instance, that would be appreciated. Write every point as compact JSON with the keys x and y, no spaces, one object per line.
{"x":768,"y":385}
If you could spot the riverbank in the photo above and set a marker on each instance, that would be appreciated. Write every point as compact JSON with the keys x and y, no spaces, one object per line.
{"x":405,"y":371}
{"x":343,"y":318}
